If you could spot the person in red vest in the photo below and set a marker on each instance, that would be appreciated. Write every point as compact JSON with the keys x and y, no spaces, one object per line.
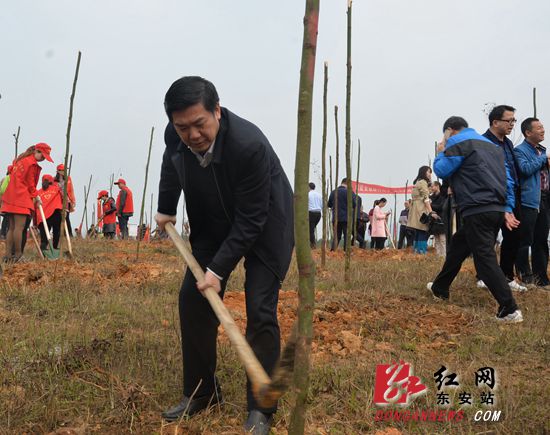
{"x":124,"y":207}
{"x":20,"y":196}
{"x":52,"y":204}
{"x":71,"y":199}
{"x":108,"y":208}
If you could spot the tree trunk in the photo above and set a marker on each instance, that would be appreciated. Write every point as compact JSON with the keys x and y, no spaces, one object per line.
{"x":66,"y":162}
{"x":16,"y":136}
{"x":112,"y":180}
{"x":70,"y":165}
{"x":85,"y":212}
{"x":324,"y":170}
{"x":144,"y":192}
{"x":329,"y":226}
{"x":306,"y":266}
{"x":335,"y":212}
{"x":151,"y":216}
{"x":534,"y":102}
{"x":348,"y":152}
{"x":355,"y":216}
{"x":395,"y":219}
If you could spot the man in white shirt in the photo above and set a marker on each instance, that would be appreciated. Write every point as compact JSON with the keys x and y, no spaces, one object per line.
{"x":315,"y":206}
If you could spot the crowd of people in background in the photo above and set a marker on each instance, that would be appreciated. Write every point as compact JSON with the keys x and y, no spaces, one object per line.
{"x":25,"y":208}
{"x":488,"y":187}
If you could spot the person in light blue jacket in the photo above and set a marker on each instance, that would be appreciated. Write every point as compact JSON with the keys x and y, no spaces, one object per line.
{"x":535,"y":204}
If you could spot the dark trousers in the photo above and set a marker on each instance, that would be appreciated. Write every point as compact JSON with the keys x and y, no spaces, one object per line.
{"x":314,"y":218}
{"x":54,"y":225}
{"x":406,"y":237}
{"x":361,"y":229}
{"x":199,"y":327}
{"x":379,"y":242}
{"x":25,"y":231}
{"x":509,"y":248}
{"x":123,"y":225}
{"x":4,"y":228}
{"x":477,"y":236}
{"x":533,"y":234}
{"x":341,"y":230}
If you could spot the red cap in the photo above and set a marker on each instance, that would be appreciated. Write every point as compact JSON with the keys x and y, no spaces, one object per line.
{"x":120,"y":180}
{"x":47,"y":177}
{"x":102,"y":193}
{"x":60,"y":167}
{"x":45,"y":149}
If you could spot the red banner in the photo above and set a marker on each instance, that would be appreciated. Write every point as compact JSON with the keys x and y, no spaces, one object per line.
{"x":376,"y":189}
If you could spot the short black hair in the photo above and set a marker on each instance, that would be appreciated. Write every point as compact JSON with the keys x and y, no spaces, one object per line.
{"x":382,"y":200}
{"x":312,"y":186}
{"x":527,"y":124}
{"x":344,"y":180}
{"x":455,"y":123}
{"x":436,"y":183}
{"x":188,"y":91}
{"x":498,"y":111}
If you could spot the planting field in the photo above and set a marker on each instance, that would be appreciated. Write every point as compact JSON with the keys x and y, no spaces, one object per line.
{"x":92,"y":346}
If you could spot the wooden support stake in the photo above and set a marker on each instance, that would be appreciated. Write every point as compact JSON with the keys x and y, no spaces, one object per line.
{"x":144,"y":191}
{"x":67,"y":148}
{"x":16,"y":136}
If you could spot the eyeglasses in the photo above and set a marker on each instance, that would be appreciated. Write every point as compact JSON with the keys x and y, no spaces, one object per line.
{"x":509,"y":121}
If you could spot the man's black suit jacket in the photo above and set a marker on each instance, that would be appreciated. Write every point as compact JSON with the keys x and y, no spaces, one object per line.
{"x":254,"y":194}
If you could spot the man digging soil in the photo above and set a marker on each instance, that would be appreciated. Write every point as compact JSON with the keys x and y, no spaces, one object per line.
{"x":240,"y":204}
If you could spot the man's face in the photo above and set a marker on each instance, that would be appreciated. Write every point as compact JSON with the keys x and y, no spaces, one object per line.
{"x":506,"y":123}
{"x":45,"y":184}
{"x":536,"y":134}
{"x":406,"y":204}
{"x":197,"y":127}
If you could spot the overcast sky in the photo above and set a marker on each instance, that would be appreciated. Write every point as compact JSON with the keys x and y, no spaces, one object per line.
{"x":414,"y":64}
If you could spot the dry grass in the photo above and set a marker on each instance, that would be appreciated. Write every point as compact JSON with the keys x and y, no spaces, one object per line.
{"x":93,"y":346}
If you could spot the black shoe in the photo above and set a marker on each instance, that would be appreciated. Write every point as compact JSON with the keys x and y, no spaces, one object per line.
{"x":258,"y":423}
{"x":435,"y":294}
{"x":188,"y":407}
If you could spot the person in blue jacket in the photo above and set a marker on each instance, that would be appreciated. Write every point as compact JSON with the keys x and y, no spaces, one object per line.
{"x":341,"y":213}
{"x":483,"y":190}
{"x":535,"y":204}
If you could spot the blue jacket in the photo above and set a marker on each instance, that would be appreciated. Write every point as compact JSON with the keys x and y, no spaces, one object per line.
{"x":342,"y":203}
{"x":477,"y":173}
{"x":530,"y":164}
{"x":508,"y":147}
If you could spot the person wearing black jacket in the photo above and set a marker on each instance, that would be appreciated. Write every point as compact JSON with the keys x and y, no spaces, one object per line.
{"x":481,"y":183}
{"x":240,"y":204}
{"x":342,"y":212}
{"x":501,"y":124}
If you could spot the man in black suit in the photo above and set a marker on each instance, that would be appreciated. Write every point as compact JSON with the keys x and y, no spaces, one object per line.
{"x":240,"y":204}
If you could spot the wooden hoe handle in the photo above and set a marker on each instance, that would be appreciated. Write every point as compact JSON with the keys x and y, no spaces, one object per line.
{"x":258,"y":377}
{"x":46,"y":229}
